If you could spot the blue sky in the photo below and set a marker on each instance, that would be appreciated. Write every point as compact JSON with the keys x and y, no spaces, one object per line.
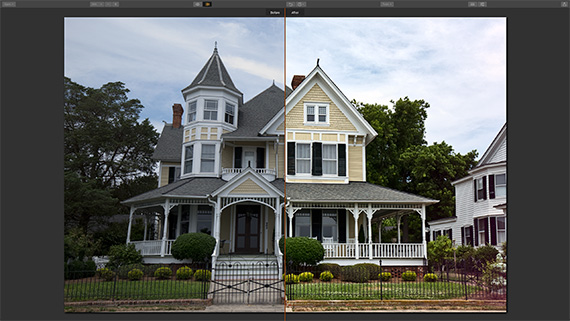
{"x":457,"y":65}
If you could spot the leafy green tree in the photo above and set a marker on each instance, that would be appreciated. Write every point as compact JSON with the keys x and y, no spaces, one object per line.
{"x":105,"y":147}
{"x":439,"y":251}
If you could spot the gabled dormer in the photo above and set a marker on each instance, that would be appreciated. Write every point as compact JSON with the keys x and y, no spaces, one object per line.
{"x":212,"y":103}
{"x":326,"y":135}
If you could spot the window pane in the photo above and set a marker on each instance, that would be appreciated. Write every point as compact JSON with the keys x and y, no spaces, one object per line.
{"x":189,"y":152}
{"x":500,"y":179}
{"x":322,"y":118}
{"x":230,"y":109}
{"x":310,"y":110}
{"x":302,"y":224}
{"x":208,"y":151}
{"x":211,"y":105}
{"x":322,"y":110}
{"x":303,"y":151}
{"x":303,"y":166}
{"x":329,"y":167}
{"x":207,"y":166}
{"x":500,"y":223}
{"x":329,"y":151}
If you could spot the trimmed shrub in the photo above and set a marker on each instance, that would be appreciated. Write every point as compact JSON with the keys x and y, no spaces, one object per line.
{"x":106,"y":274}
{"x":326,"y":276}
{"x":291,"y":279}
{"x":409,"y":276}
{"x":195,"y":246}
{"x":334,"y":268}
{"x":355,"y":273}
{"x":77,"y":269}
{"x":123,"y":271}
{"x":485,"y":254}
{"x":135,"y":274}
{"x":302,"y":250}
{"x":202,"y":275}
{"x":124,"y":254}
{"x":306,"y":277}
{"x":373,"y":270}
{"x":430,"y":277}
{"x":385,"y":276}
{"x":465,"y":256}
{"x":184,"y":273}
{"x":163,"y":273}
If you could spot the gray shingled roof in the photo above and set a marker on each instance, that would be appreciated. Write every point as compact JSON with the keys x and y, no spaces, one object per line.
{"x":197,"y":186}
{"x":169,"y":146}
{"x":353,"y":191}
{"x":258,"y":111}
{"x":214,"y":73}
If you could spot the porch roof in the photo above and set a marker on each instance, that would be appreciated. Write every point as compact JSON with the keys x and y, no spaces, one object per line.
{"x":188,"y":187}
{"x":351,"y":192}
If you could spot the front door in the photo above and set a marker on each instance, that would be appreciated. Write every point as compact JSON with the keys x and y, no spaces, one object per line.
{"x":247,"y":228}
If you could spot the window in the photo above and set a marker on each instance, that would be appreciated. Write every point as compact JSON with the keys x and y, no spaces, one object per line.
{"x":204,"y":221}
{"x":192,"y":111}
{"x":467,"y":233}
{"x":501,"y":230}
{"x":211,"y":110}
{"x":173,"y":174}
{"x":229,"y":113}
{"x":185,"y":220}
{"x":330,"y":225}
{"x":481,"y":230}
{"x":480,"y":189}
{"x":303,"y":224}
{"x":188,"y":159}
{"x":303,"y":158}
{"x":316,"y":113}
{"x":500,"y":185}
{"x":208,"y":158}
{"x":329,"y":159}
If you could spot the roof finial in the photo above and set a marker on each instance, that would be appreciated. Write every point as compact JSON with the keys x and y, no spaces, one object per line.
{"x":215,"y":46}
{"x":273,"y":82}
{"x":317,"y":62}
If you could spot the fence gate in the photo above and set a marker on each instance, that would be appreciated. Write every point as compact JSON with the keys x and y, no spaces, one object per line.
{"x":247,"y":282}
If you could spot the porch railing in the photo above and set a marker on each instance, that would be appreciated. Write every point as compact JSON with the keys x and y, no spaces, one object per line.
{"x":153,"y":247}
{"x":379,"y":250}
{"x":229,"y":173}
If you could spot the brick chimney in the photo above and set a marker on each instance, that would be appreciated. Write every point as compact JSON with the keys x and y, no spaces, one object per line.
{"x":177,"y":112}
{"x":297,"y":80}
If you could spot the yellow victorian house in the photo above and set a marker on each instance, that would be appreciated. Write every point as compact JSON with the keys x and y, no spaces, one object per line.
{"x":284,"y":163}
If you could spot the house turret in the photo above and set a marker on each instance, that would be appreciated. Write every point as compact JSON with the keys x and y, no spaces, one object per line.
{"x":212,"y":102}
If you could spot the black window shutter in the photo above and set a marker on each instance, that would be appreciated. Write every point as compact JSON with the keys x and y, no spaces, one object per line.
{"x":475,"y":232}
{"x":463,"y":236}
{"x":260,"y":162}
{"x":484,"y":187}
{"x":427,"y":237}
{"x":342,"y":226}
{"x":470,"y":231}
{"x":493,"y":223}
{"x":171,"y":174}
{"x":317,"y":159}
{"x":449,"y":233}
{"x":434,"y":236}
{"x":290,"y":158}
{"x":486,"y":230}
{"x":237,"y":157}
{"x":475,"y":190}
{"x":341,"y":159}
{"x":491,"y":186}
{"x":316,"y":220}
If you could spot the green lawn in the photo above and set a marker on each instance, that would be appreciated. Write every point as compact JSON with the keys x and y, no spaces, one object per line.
{"x":91,"y":289}
{"x":389,"y":291}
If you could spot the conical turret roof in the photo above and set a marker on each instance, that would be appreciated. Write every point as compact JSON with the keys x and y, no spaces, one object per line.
{"x":215,"y":74}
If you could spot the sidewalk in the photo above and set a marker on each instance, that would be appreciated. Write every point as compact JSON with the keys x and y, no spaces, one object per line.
{"x":247,"y":308}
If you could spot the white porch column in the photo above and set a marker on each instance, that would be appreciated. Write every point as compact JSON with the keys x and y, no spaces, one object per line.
{"x":276,"y":249}
{"x":355,"y":214}
{"x":423,"y":216}
{"x":290,"y":214}
{"x":380,"y":230}
{"x":217,"y":214}
{"x":165,"y":230}
{"x":369,"y":214}
{"x":130,"y":224}
{"x":145,"y":226}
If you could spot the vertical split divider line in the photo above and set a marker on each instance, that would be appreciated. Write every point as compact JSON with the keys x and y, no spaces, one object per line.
{"x":284,"y":214}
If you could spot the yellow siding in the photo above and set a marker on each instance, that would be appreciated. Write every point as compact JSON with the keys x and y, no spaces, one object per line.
{"x":204,"y":129}
{"x":329,"y":137}
{"x":227,"y":157}
{"x":164,"y":176}
{"x":248,"y":187}
{"x":204,"y":136}
{"x":337,"y":120}
{"x":214,"y":130}
{"x":289,"y":136}
{"x":193,"y":130}
{"x":225,"y":131}
{"x":355,"y":163}
{"x":225,"y":224}
{"x":350,"y":224}
{"x":281,"y":127}
{"x":303,"y":136}
{"x":281,"y":160}
{"x":341,"y":138}
{"x":186,"y":139}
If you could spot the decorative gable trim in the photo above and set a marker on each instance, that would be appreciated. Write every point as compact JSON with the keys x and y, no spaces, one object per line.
{"x":494,"y":147}
{"x":254,"y":177}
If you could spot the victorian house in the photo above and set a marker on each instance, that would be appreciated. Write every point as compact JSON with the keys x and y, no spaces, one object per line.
{"x":284,"y":163}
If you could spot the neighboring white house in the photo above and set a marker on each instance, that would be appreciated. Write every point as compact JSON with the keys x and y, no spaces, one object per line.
{"x":480,"y":201}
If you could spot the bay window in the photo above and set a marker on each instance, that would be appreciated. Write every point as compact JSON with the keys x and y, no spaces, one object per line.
{"x":210,"y":109}
{"x":208,"y":158}
{"x":188,"y":159}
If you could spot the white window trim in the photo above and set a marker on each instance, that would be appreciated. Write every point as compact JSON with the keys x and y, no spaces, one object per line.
{"x":183,"y":169}
{"x":335,"y":160}
{"x":188,"y":121}
{"x":233,"y":114}
{"x":217,"y":110}
{"x":495,"y":181}
{"x":214,"y":159}
{"x":310,"y":159}
{"x":316,"y":122}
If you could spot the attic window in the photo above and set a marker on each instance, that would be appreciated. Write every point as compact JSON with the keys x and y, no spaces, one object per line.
{"x":211,"y":110}
{"x":230,"y":110}
{"x":316,"y":113}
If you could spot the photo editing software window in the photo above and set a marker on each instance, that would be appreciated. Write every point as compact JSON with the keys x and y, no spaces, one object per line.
{"x":371,"y":131}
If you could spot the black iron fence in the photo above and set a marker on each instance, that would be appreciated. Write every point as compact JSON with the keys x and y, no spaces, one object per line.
{"x":139,"y":282}
{"x":369,"y":281}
